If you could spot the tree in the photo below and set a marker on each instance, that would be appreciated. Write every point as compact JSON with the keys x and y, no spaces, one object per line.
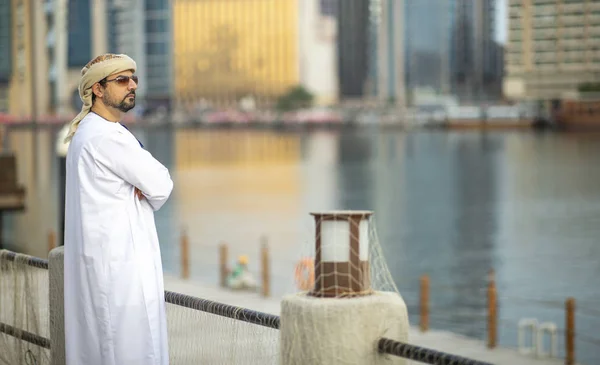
{"x":589,"y":87}
{"x":296,"y":98}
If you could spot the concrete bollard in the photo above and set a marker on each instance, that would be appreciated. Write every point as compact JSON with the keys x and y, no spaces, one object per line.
{"x":56,"y":259}
{"x":341,"y":324}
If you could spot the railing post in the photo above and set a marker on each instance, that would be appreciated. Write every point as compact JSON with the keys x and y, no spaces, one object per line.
{"x":570,"y":332}
{"x":424,"y":303}
{"x":185,"y":256}
{"x":56,"y":260}
{"x":223,"y":264}
{"x":492,"y":312}
{"x":266,"y":285}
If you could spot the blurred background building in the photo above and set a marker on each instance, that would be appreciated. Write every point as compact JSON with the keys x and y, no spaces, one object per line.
{"x":552,"y":48}
{"x":143,"y":29}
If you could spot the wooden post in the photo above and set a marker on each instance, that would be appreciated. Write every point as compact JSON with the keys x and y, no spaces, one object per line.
{"x":266,"y":285}
{"x":223,"y":264}
{"x":51,"y":241}
{"x":424,"y":323}
{"x":185,"y":256}
{"x":570,"y":332}
{"x":492,"y":311}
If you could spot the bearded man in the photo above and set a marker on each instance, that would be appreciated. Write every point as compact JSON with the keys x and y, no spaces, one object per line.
{"x":113,"y":285}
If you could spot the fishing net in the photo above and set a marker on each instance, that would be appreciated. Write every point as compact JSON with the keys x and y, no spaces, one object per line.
{"x":24,"y":319}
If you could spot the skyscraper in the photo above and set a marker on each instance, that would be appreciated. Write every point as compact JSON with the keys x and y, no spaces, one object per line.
{"x":448,"y":49}
{"x":159,"y":50}
{"x":79,"y":33}
{"x":127,"y":34}
{"x":474,"y":51}
{"x":6,"y":54}
{"x":387,"y":62}
{"x":317,"y":49}
{"x":26,"y":85}
{"x":142,"y":30}
{"x":427,"y":25}
{"x":353,"y":47}
{"x":226,"y":50}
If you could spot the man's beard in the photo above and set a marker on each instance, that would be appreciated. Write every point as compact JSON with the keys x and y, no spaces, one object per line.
{"x":124,"y":105}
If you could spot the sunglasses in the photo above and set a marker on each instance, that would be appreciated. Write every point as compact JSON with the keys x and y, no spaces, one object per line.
{"x":124,"y":80}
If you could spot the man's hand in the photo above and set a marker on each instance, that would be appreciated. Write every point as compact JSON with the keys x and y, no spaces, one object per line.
{"x":139,"y":194}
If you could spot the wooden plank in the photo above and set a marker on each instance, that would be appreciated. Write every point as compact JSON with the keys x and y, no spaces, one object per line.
{"x":12,"y":201}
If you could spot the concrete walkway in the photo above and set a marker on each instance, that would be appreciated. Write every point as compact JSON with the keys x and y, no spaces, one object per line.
{"x":437,"y":340}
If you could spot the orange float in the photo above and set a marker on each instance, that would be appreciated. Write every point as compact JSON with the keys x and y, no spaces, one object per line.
{"x":305,"y":274}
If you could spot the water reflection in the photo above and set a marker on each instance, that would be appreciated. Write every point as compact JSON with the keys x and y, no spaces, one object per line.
{"x":452,"y":205}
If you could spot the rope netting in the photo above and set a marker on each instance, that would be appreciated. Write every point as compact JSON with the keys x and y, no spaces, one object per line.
{"x":24,"y":305}
{"x":198,"y":328}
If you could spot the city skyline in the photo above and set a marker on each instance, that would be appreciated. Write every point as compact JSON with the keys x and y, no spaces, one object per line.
{"x":364,"y":72}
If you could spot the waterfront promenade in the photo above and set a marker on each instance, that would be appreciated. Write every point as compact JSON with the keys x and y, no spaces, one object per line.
{"x":437,"y":340}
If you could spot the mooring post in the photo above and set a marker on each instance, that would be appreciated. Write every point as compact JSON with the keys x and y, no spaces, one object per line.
{"x":424,"y":303}
{"x":223,"y":271}
{"x":570,"y":331}
{"x":492,"y":312}
{"x":266,"y":282}
{"x":185,"y":255}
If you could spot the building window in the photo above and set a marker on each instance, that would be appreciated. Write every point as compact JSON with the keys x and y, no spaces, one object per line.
{"x":157,"y":4}
{"x":157,"y":48}
{"x":3,"y":98}
{"x":157,"y":25}
{"x":328,"y":7}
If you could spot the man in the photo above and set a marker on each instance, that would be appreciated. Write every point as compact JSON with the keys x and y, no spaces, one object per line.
{"x":114,"y":294}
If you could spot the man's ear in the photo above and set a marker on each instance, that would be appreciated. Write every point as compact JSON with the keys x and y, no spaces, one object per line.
{"x":97,"y":90}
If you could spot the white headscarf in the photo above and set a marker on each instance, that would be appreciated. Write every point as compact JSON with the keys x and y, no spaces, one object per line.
{"x":95,"y":71}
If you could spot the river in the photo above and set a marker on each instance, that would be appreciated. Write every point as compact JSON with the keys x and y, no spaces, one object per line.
{"x":449,"y":204}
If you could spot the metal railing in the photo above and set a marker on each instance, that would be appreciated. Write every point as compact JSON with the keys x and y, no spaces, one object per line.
{"x":384,"y":346}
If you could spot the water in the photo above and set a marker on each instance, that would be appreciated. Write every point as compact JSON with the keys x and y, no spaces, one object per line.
{"x":452,"y":205}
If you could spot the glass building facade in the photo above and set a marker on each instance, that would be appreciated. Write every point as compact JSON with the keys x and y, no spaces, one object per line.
{"x":6,"y":54}
{"x":142,"y":29}
{"x":225,"y":50}
{"x":158,"y":48}
{"x":426,"y":44}
{"x":353,"y":47}
{"x":5,"y":41}
{"x":79,"y":33}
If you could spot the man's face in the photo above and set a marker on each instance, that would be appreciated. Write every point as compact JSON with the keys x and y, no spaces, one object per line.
{"x":119,"y":91}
